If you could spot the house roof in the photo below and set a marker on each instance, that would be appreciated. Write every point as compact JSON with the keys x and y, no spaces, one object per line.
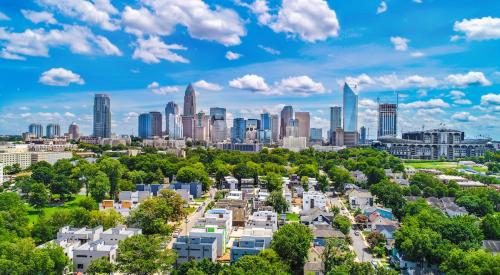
{"x":311,"y":214}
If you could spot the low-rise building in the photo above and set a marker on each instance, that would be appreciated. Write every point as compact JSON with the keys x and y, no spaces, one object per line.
{"x":239,"y":209}
{"x":263,"y":219}
{"x":50,"y":157}
{"x":360,"y":199}
{"x":86,"y":253}
{"x":220,"y":217}
{"x":316,"y":216}
{"x":313,"y":199}
{"x":119,"y":233}
{"x":212,"y":231}
{"x":197,"y":248}
{"x":252,"y":241}
{"x":234,"y":195}
{"x":195,"y":188}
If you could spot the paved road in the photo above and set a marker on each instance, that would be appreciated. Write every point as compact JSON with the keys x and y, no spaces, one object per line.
{"x":359,"y":244}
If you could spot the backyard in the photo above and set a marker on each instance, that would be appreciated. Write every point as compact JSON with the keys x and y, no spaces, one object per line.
{"x":33,"y":213}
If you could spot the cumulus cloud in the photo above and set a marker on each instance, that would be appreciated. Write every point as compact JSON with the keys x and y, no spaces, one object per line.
{"x":462,"y":101}
{"x":96,"y":13}
{"x":470,"y":78}
{"x":432,"y":103}
{"x":153,"y":50}
{"x":69,"y":115}
{"x":232,"y":55}
{"x":207,"y":85}
{"x":485,"y":28}
{"x":417,"y":54}
{"x":153,"y":85}
{"x":301,"y":85}
{"x":160,"y":17}
{"x":490,"y":99}
{"x":37,"y":42}
{"x":251,"y":82}
{"x":414,"y":81}
{"x":361,"y":80}
{"x":367,"y":103}
{"x":430,"y":112}
{"x":60,"y":77}
{"x":162,"y":90}
{"x":400,"y":43}
{"x":463,"y":117}
{"x":269,"y":50}
{"x":4,"y":17}
{"x":8,"y":55}
{"x":39,"y":17}
{"x":382,"y":7}
{"x":456,"y":94}
{"x":309,"y":20}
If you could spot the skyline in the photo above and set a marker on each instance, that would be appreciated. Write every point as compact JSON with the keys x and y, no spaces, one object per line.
{"x":263,"y":62}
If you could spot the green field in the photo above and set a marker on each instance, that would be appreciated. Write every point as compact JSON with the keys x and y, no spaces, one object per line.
{"x":33,"y":214}
{"x":292,"y":217}
{"x":432,"y":165}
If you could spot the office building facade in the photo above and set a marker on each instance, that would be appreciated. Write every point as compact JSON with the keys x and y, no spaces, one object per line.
{"x":238,"y":132}
{"x":74,"y":131}
{"x":174,"y":126}
{"x":189,"y":101}
{"x":144,"y":125}
{"x":36,"y":129}
{"x":304,"y":127}
{"x":102,"y":116}
{"x":316,"y":134}
{"x":387,"y":120}
{"x":286,"y":115}
{"x":218,"y":124}
{"x":170,"y":109}
{"x":275,"y":127}
{"x":335,"y":122}
{"x":362,"y":135}
{"x":202,"y":127}
{"x":156,"y":124}
{"x":53,"y":130}
{"x":350,"y":115}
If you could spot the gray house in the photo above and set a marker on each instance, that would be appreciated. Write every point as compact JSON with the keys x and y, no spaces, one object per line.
{"x":196,"y":248}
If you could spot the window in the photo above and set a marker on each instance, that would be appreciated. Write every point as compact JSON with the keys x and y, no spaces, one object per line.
{"x":79,"y":266}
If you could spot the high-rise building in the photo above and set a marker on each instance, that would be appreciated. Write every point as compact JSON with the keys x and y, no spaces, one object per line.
{"x":145,"y":125}
{"x":190,"y":101}
{"x":201,"y":127}
{"x":188,"y":126}
{"x":74,"y":131}
{"x":156,"y":124}
{"x":286,"y":115}
{"x":292,"y":129}
{"x":265,"y":121}
{"x":218,"y":123}
{"x":335,"y":122}
{"x":304,"y":119}
{"x":238,"y":132}
{"x":252,"y":127}
{"x":387,"y":119}
{"x":171,"y":108}
{"x":53,"y":130}
{"x":350,"y":100}
{"x":339,"y":137}
{"x":175,"y":126}
{"x":316,"y":134}
{"x":275,"y":127}
{"x":36,"y":129}
{"x":102,"y":116}
{"x":362,"y":135}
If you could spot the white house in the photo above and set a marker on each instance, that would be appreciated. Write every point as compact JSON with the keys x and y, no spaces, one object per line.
{"x":1,"y":173}
{"x":313,"y":199}
{"x":86,"y":253}
{"x":263,"y":219}
{"x":119,"y":233}
{"x":220,"y":217}
{"x":235,"y":195}
{"x":360,"y":198}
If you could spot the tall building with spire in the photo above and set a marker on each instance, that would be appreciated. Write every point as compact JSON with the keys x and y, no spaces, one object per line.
{"x":189,"y":101}
{"x":102,"y":116}
{"x":286,"y":116}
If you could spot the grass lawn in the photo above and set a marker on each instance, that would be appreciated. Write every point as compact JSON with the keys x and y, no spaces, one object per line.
{"x":432,"y":165}
{"x":33,"y":214}
{"x":292,"y":217}
{"x":190,"y":210}
{"x":202,"y":199}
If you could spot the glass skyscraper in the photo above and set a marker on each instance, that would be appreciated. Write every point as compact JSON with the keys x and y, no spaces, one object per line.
{"x":36,"y":129}
{"x":145,"y":125}
{"x":218,"y":123}
{"x":238,"y":132}
{"x":171,"y":109}
{"x":53,"y":130}
{"x":102,"y":116}
{"x":265,"y":121}
{"x":387,"y":119}
{"x":189,"y":101}
{"x":286,"y":115}
{"x":350,"y":99}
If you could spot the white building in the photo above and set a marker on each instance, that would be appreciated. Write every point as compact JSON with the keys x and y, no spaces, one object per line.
{"x":9,"y":159}
{"x":235,"y":195}
{"x":212,"y":231}
{"x":175,"y":126}
{"x":360,"y":199}
{"x":50,"y":157}
{"x":295,"y":144}
{"x":222,"y":218}
{"x":258,"y":234}
{"x":115,"y":235}
{"x":86,"y":253}
{"x":313,"y":199}
{"x":263,"y":219}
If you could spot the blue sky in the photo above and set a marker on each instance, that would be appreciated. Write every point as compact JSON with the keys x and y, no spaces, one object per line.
{"x":249,"y":56}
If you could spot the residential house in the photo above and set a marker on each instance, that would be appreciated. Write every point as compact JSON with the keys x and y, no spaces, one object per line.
{"x":86,"y":253}
{"x":238,"y":207}
{"x":323,"y":232}
{"x":252,"y":241}
{"x":492,"y":245}
{"x":360,"y":199}
{"x":263,"y":219}
{"x":220,"y":217}
{"x":212,"y":231}
{"x":119,"y":233}
{"x":196,"y":248}
{"x":313,"y":199}
{"x":314,"y":264}
{"x":195,"y":188}
{"x":316,"y":216}
{"x":447,"y":205}
{"x":358,"y":176}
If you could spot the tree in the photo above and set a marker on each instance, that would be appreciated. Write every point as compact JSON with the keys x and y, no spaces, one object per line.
{"x":43,"y":174}
{"x":471,"y":262}
{"x":417,"y":244}
{"x":62,"y":186}
{"x":99,"y":186}
{"x":136,"y":176}
{"x":323,"y":183}
{"x":307,"y":170}
{"x":141,"y":254}
{"x":107,"y":218}
{"x":39,"y":195}
{"x":389,"y":194}
{"x":342,"y":223}
{"x":476,"y":205}
{"x":63,"y":167}
{"x":292,"y":242}
{"x":376,"y":239}
{"x":101,"y":266}
{"x":256,"y":264}
{"x":88,"y":203}
{"x":274,"y":182}
{"x":374,"y":175}
{"x":277,"y":201}
{"x":339,"y":177}
{"x":336,"y":253}
{"x":114,"y":171}
{"x":491,"y":226}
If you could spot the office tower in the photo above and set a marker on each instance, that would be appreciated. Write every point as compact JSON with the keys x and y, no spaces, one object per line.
{"x":292,"y":129}
{"x":156,"y":124}
{"x":36,"y":129}
{"x":74,"y":131}
{"x":350,"y":99}
{"x":316,"y":134}
{"x":387,"y":119}
{"x":351,"y":138}
{"x":275,"y":127}
{"x":304,"y":119}
{"x":362,"y":135}
{"x":239,"y":130}
{"x":286,"y":115}
{"x":171,"y":108}
{"x":145,"y":125}
{"x":53,"y":130}
{"x":252,"y":126}
{"x":188,"y":126}
{"x":265,"y":121}
{"x":175,"y":126}
{"x":335,"y":122}
{"x":218,"y":123}
{"x":189,"y":101}
{"x":102,"y":116}
{"x":339,"y":137}
{"x":201,"y":127}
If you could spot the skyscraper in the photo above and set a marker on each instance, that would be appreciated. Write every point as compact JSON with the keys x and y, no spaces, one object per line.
{"x":188,"y":126}
{"x":145,"y":125}
{"x":387,"y":119}
{"x":252,"y":127}
{"x":170,"y":108}
{"x":53,"y":130}
{"x":275,"y":127}
{"x":36,"y":129}
{"x":316,"y":134}
{"x":286,"y":115}
{"x":362,"y":135}
{"x":156,"y":124}
{"x":175,"y":126}
{"x":304,"y":119}
{"x":335,"y":122}
{"x":350,"y":99}
{"x":292,"y":129}
{"x":201,"y":127}
{"x":218,"y":123}
{"x":189,"y":101}
{"x":74,"y":131}
{"x":238,"y":131}
{"x":102,"y":116}
{"x":265,"y":121}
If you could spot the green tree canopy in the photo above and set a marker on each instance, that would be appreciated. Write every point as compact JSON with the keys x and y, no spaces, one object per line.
{"x":292,"y":242}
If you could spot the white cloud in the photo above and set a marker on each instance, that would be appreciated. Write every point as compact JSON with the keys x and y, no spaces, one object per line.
{"x":367,"y":103}
{"x":457,"y":94}
{"x":232,"y":55}
{"x":270,"y":50}
{"x":361,"y":80}
{"x":471,"y":78}
{"x":485,"y":28}
{"x":382,"y":7}
{"x":432,"y":103}
{"x":25,"y":115}
{"x":98,"y":13}
{"x":417,"y":54}
{"x":400,"y":43}
{"x":8,"y":55}
{"x":430,"y":112}
{"x":490,"y":99}
{"x":69,"y":115}
{"x":162,"y":90}
{"x":310,"y":20}
{"x":37,"y":42}
{"x":252,"y":82}
{"x":301,"y":85}
{"x":4,"y":17}
{"x":414,"y":81}
{"x":24,"y":108}
{"x":462,"y":101}
{"x":417,"y":1}
{"x":153,"y":50}
{"x":160,"y":17}
{"x":207,"y":85}
{"x":153,"y":85}
{"x":463,"y":117}
{"x":60,"y":77}
{"x":39,"y":17}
